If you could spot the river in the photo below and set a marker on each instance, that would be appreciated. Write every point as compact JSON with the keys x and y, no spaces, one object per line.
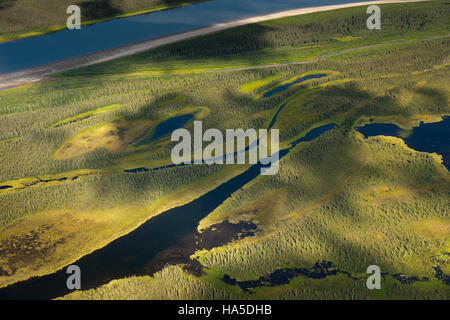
{"x":39,"y":50}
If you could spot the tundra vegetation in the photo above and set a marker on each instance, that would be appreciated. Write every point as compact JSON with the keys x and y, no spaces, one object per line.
{"x":340,"y":197}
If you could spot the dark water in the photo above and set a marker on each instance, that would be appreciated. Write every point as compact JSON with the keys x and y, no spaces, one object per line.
{"x":314,"y":133}
{"x":144,"y":169}
{"x":170,"y":125}
{"x":274,"y":119}
{"x":320,"y":270}
{"x":286,"y":86}
{"x":167,"y":127}
{"x":132,"y":254}
{"x":31,"y":52}
{"x":377,"y":129}
{"x":427,"y":137}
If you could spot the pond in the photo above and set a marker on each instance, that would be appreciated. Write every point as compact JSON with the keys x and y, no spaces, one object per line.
{"x":170,"y":125}
{"x":427,"y":137}
{"x":166,"y":127}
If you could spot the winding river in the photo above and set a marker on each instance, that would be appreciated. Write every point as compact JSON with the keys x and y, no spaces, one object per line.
{"x":132,"y":253}
{"x":35,"y":51}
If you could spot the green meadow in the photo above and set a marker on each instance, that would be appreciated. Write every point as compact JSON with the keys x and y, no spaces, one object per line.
{"x":340,"y":198}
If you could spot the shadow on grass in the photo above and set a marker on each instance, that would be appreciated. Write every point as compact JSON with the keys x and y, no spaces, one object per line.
{"x":98,"y":9}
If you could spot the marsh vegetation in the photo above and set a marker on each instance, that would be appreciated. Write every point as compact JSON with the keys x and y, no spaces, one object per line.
{"x":340,"y":198}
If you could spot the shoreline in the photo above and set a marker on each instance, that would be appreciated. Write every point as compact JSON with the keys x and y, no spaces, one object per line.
{"x":36,"y":74}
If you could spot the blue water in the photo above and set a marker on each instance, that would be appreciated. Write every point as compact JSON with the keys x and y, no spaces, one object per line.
{"x":165,"y":128}
{"x":377,"y":129}
{"x":30,"y":52}
{"x":286,"y":86}
{"x":314,"y":133}
{"x":427,"y":137}
{"x":170,"y":125}
{"x":275,"y":117}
